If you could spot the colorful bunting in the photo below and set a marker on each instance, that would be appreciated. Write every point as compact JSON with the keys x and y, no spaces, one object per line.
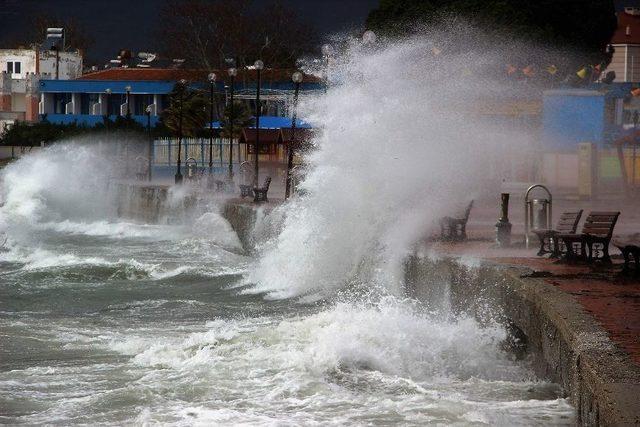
{"x":583,"y":73}
{"x":528,"y":71}
{"x":552,"y":69}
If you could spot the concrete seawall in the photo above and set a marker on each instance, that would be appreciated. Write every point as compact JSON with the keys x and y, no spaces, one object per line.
{"x":565,"y":344}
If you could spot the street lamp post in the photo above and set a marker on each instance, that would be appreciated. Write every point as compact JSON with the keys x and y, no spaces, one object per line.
{"x":258,"y":65}
{"x":183,"y":83}
{"x":327,"y":51}
{"x":232,"y":74}
{"x":150,"y":162}
{"x":297,"y":79}
{"x":128,"y":89}
{"x":212,"y":83}
{"x":106,"y":109}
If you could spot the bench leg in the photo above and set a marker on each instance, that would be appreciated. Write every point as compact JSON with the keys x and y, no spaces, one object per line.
{"x":627,"y":260}
{"x":443,"y":231}
{"x":556,"y":248}
{"x":586,"y":248}
{"x":605,"y":253}
{"x":541,"y":251}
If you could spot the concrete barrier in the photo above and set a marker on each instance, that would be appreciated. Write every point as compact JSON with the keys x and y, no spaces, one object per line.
{"x":565,"y":343}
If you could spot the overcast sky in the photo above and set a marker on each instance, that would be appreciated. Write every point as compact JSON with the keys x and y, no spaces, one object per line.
{"x":118,"y":24}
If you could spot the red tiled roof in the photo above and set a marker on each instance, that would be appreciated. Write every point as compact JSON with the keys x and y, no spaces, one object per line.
{"x":164,"y":74}
{"x":633,"y":23}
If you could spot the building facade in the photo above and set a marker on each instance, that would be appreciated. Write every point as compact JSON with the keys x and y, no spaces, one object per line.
{"x":20,"y":74}
{"x":112,"y":92}
{"x":625,"y":61}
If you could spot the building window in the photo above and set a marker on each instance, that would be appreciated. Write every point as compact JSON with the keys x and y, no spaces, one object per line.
{"x":14,"y":67}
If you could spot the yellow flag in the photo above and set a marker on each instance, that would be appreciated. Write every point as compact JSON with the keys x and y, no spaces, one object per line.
{"x":552,"y":69}
{"x":583,"y":73}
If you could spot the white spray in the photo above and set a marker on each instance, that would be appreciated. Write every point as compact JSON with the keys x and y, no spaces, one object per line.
{"x":401,"y":145}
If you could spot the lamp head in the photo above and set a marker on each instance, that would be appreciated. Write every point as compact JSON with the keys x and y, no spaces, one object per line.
{"x":369,"y":37}
{"x":258,"y":65}
{"x":107,"y":91}
{"x":183,"y":82}
{"x":327,"y":50}
{"x":212,"y":77}
{"x":297,"y":77}
{"x":127,"y":88}
{"x":232,"y":71}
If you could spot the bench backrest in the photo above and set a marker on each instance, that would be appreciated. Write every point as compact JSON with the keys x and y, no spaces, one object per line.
{"x":267,"y":183}
{"x":467,"y":211}
{"x":568,"y":222}
{"x":600,"y":224}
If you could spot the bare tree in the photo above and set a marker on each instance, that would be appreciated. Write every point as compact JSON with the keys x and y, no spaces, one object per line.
{"x":207,"y":33}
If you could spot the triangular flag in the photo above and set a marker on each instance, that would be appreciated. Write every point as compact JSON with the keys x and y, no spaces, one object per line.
{"x":436,"y":51}
{"x":636,"y":91}
{"x":583,"y":73}
{"x":528,"y":71}
{"x":552,"y":69}
{"x":511,"y":69}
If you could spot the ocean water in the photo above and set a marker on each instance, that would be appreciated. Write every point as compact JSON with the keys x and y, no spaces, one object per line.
{"x":104,"y":321}
{"x":128,"y":327}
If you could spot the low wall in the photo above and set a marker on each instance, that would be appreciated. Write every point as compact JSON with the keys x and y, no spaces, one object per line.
{"x":141,"y":202}
{"x":565,"y":344}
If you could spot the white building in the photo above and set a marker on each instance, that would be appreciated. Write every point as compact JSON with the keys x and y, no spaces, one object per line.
{"x":20,"y":72}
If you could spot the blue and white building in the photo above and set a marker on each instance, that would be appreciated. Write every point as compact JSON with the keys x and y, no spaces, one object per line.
{"x":88,"y":99}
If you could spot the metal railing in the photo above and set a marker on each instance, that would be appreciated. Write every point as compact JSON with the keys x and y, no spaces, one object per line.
{"x":165,"y":151}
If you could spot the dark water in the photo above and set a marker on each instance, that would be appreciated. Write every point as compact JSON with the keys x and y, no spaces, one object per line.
{"x":116,"y":323}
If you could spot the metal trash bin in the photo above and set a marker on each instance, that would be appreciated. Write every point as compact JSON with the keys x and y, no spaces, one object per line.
{"x":537,"y":212}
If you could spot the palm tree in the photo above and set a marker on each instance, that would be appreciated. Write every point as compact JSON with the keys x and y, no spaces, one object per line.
{"x":194,"y":108}
{"x":242,"y":118}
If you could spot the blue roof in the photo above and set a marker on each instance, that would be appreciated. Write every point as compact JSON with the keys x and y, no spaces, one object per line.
{"x":274,"y":122}
{"x":99,"y":86}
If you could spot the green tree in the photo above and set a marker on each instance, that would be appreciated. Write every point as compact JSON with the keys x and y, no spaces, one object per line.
{"x":242,"y":118}
{"x":192,"y":105}
{"x":580,"y":26}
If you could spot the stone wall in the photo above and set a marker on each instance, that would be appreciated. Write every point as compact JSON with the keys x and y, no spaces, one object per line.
{"x":564,"y":342}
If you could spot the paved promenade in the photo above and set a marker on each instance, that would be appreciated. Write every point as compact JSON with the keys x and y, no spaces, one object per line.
{"x":612,"y":298}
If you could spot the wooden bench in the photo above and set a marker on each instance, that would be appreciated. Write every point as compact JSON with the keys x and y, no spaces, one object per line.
{"x":455,"y":228}
{"x":246,"y":190}
{"x":220,"y":185}
{"x":629,"y":248}
{"x":549,"y":242}
{"x":595,"y":237}
{"x":260,"y":193}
